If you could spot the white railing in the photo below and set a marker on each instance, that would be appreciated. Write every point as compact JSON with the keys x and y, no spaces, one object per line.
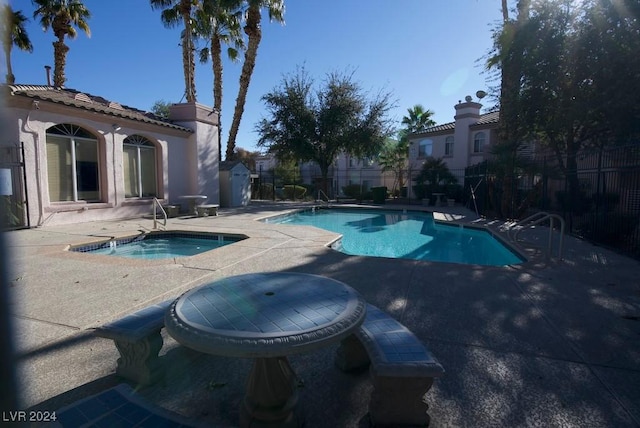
{"x":538,"y":218}
{"x":320,"y":194}
{"x":156,"y":205}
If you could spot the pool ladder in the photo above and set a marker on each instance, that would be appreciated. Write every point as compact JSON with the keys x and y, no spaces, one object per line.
{"x":538,"y":218}
{"x":156,"y":205}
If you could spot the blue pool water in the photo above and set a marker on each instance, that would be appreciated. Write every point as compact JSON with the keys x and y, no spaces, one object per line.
{"x":159,"y":246}
{"x":404,"y":235}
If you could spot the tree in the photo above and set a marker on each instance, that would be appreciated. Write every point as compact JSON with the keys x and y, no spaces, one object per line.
{"x":173,"y":13}
{"x":287,"y":172}
{"x":61,"y":16}
{"x":418,"y":120}
{"x":316,"y":125}
{"x":435,"y":172}
{"x":218,"y":25}
{"x":432,"y":177}
{"x":252,"y":29}
{"x":161,"y":109}
{"x":393,"y":157}
{"x":511,"y":130}
{"x":569,"y":80}
{"x":247,"y":157}
{"x":13,"y":34}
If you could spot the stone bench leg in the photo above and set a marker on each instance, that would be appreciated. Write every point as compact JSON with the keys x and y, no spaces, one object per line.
{"x":351,"y":354}
{"x":399,"y":401}
{"x":139,"y":360}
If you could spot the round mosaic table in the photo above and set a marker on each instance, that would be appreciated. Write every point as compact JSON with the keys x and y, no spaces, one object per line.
{"x":266,"y":316}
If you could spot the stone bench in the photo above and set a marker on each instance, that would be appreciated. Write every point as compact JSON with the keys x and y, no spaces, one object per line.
{"x":118,"y":407}
{"x":206,"y":210}
{"x":137,"y":337}
{"x":401,"y":368}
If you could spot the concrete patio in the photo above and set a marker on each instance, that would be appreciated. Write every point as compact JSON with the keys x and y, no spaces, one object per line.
{"x":546,"y":343}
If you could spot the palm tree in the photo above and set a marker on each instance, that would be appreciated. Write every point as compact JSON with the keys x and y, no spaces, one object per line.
{"x":393,"y":157}
{"x":14,"y":34}
{"x":174,"y":12}
{"x":61,"y":16}
{"x":218,"y":25}
{"x":418,"y":120}
{"x":254,"y":35}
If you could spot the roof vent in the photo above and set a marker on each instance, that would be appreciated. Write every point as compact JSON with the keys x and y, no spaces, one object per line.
{"x":82,"y":97}
{"x":115,"y":105}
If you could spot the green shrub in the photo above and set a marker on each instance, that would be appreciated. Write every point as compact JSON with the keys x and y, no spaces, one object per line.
{"x":352,"y":191}
{"x":420,"y":190}
{"x":266,"y":191}
{"x":580,"y":205}
{"x":292,"y":191}
{"x":379,"y":194}
{"x":454,"y":191}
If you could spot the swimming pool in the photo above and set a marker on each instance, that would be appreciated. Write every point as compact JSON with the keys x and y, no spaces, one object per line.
{"x":162,"y":245}
{"x":405,"y":235}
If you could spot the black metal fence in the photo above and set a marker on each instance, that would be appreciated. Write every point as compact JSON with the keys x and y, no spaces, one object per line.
{"x":13,"y":195}
{"x":604,"y":208}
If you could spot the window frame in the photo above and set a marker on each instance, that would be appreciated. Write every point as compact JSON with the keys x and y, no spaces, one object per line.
{"x":479,"y":141}
{"x":139,"y":143}
{"x":74,"y":135}
{"x":448,"y":146}
{"x":422,"y":153}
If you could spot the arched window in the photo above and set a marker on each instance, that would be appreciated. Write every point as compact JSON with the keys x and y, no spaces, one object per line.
{"x":478,"y":142}
{"x":73,"y":169}
{"x":448,"y":146}
{"x":139,"y":167}
{"x":425,"y":148}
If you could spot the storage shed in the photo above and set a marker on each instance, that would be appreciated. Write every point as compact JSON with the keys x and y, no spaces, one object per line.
{"x":235,"y":184}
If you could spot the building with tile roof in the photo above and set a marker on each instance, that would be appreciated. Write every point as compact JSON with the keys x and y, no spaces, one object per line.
{"x":460,"y":143}
{"x":86,"y":158}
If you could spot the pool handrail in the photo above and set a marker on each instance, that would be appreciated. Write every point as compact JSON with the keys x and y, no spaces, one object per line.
{"x":156,"y":204}
{"x":320,"y":193}
{"x":533,"y":220}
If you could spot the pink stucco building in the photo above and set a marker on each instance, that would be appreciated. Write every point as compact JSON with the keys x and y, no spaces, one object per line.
{"x":86,"y":158}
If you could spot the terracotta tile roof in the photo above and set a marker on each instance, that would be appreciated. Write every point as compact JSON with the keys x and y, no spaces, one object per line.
{"x":485,"y":119}
{"x":74,"y":98}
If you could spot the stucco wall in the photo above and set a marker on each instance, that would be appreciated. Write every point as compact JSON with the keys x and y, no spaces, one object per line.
{"x":28,"y":124}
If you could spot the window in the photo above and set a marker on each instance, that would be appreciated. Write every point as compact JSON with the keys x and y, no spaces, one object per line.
{"x":367,"y":161}
{"x":478,"y":142}
{"x":448,"y":146}
{"x":425,"y":148}
{"x":139,"y":167}
{"x":72,"y":164}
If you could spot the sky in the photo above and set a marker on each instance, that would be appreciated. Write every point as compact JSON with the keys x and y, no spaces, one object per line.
{"x":429,"y":52}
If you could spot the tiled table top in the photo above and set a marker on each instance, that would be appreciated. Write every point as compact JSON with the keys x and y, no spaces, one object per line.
{"x":265,"y":315}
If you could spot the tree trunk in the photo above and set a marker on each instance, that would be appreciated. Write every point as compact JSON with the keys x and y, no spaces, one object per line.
{"x":509,"y":130}
{"x":188,"y":60}
{"x":254,"y":33}
{"x":60,"y":58}
{"x":216,"y":59}
{"x":10,"y":77}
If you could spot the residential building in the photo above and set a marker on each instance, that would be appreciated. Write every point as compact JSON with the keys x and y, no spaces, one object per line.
{"x":460,"y":143}
{"x":86,"y":158}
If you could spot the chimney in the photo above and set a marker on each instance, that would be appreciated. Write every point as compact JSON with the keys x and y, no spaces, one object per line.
{"x":48,"y":69}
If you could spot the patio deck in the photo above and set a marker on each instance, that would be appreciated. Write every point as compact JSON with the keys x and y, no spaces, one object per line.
{"x":544,"y":343}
